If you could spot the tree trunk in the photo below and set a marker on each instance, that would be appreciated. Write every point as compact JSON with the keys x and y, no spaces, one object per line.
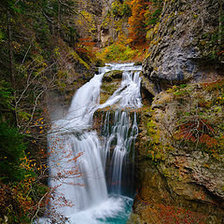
{"x":221,"y":5}
{"x":59,"y":18}
{"x":11,"y":63}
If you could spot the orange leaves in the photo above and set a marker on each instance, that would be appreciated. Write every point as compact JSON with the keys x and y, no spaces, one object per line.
{"x":145,"y":14}
{"x":38,"y":127}
{"x":172,"y":214}
{"x":214,"y":85}
{"x":220,"y":52}
{"x":209,"y":141}
{"x":197,"y":131}
{"x":27,"y":163}
{"x":85,"y":46}
{"x":23,"y":198}
{"x":137,"y":32}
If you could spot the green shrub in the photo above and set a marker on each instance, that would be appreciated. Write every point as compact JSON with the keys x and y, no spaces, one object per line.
{"x":121,"y":10}
{"x":117,"y":52}
{"x":12,"y":150}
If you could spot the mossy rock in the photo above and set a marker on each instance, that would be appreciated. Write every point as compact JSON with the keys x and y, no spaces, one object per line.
{"x":107,"y":89}
{"x":100,"y":63}
{"x":110,"y":76}
{"x":138,"y":63}
{"x":177,"y":172}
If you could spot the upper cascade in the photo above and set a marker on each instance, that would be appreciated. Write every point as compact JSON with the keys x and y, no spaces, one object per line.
{"x":86,"y":100}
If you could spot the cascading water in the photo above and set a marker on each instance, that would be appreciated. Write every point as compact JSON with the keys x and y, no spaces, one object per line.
{"x":80,"y":162}
{"x":119,"y":141}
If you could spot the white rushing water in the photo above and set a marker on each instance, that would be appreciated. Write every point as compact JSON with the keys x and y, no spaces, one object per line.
{"x":79,"y":159}
{"x":119,"y":136}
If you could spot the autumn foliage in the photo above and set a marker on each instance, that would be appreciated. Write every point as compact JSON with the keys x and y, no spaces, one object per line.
{"x":170,"y":214}
{"x":145,"y":14}
{"x":137,"y":31}
{"x":198,"y":131}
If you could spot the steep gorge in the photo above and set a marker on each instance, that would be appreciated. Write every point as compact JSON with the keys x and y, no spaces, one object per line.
{"x":50,"y":48}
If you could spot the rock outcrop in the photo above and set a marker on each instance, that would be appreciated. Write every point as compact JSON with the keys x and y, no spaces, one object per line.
{"x":187,"y":44}
{"x":180,"y":162}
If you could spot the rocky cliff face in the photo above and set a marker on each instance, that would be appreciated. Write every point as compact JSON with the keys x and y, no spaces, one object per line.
{"x":180,"y":161}
{"x":187,"y":44}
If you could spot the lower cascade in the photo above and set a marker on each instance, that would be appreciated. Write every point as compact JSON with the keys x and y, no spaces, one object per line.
{"x":92,"y":173}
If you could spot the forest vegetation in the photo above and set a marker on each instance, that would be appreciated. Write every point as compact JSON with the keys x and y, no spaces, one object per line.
{"x":55,"y":46}
{"x":47,"y":45}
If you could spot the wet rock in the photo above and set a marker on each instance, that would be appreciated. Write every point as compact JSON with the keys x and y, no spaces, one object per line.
{"x":111,"y":81}
{"x":180,"y":162}
{"x":138,"y":63}
{"x":110,"y":76}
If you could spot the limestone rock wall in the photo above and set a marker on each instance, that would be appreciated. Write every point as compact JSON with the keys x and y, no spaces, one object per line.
{"x":187,"y":44}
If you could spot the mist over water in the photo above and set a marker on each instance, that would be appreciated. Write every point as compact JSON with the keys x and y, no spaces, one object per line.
{"x":92,"y":176}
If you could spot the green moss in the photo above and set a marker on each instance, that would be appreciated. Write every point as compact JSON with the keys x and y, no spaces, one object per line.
{"x":107,"y":89}
{"x":120,"y":9}
{"x":110,"y":76}
{"x":99,"y":63}
{"x":156,"y":145}
{"x":197,"y":121}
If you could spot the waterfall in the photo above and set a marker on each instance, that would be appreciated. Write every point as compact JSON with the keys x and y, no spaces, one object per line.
{"x":80,"y":161}
{"x":119,"y":136}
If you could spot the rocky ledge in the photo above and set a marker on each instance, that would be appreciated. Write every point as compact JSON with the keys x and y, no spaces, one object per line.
{"x":180,"y":162}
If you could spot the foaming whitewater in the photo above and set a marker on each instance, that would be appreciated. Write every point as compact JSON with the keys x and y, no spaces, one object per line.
{"x":80,"y":162}
{"x":128,"y":94}
{"x":120,"y":131}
